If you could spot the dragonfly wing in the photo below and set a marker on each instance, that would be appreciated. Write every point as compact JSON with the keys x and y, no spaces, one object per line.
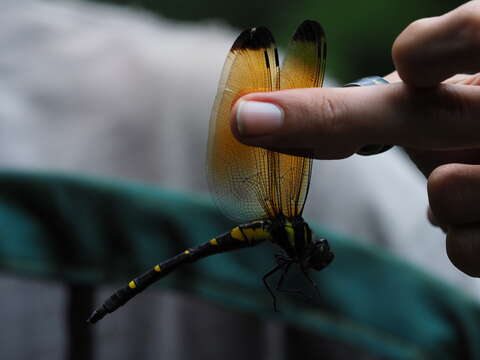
{"x":241,"y":178}
{"x":303,"y":67}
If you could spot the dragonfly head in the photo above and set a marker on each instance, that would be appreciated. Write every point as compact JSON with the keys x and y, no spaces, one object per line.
{"x":320,"y":255}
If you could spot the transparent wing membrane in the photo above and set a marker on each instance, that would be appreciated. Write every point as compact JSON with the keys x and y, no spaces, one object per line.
{"x":249,"y":182}
{"x":241,"y":175}
{"x":303,"y":67}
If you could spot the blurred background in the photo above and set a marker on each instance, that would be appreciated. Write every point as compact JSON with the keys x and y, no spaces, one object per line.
{"x":123,"y":89}
{"x":359,"y":34}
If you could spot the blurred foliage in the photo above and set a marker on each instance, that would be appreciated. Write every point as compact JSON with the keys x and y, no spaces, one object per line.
{"x":359,"y":33}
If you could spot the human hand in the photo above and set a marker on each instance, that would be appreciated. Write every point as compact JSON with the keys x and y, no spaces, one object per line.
{"x":427,"y":109}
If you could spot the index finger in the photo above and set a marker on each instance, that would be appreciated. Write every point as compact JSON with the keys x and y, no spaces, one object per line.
{"x":336,"y":122}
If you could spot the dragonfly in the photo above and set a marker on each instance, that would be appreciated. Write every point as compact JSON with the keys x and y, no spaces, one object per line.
{"x":266,"y":189}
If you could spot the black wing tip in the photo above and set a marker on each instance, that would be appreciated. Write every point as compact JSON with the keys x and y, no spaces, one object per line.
{"x":309,"y":31}
{"x":254,"y":39}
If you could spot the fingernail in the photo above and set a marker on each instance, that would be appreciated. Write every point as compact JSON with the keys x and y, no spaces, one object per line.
{"x":256,"y":118}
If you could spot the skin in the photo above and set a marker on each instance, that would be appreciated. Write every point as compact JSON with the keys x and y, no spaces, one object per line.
{"x":431,"y":108}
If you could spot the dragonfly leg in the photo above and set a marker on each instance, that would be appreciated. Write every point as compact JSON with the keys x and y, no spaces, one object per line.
{"x":281,"y":280}
{"x":282,"y":259}
{"x":282,"y":277}
{"x":264,"y":278}
{"x":310,"y":280}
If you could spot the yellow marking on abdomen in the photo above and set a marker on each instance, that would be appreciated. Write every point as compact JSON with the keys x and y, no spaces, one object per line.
{"x":236,"y":233}
{"x":213,"y":242}
{"x":132,"y":285}
{"x":257,"y":234}
{"x":250,"y":234}
{"x":157,"y":268}
{"x":186,"y":252}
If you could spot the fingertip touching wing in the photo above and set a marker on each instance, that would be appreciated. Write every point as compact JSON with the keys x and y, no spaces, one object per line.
{"x":303,"y":67}
{"x":241,"y":177}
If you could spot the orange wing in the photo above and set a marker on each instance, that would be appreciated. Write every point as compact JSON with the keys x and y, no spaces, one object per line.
{"x":303,"y":67}
{"x":249,"y":182}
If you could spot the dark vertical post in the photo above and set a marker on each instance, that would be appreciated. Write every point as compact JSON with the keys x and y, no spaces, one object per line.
{"x":80,"y":302}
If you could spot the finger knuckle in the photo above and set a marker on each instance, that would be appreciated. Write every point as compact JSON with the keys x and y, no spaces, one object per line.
{"x":319,"y":118}
{"x":468,"y":22}
{"x":419,"y":26}
{"x":445,"y":191}
{"x":463,"y":248}
{"x":328,"y":113}
{"x":405,"y":49}
{"x":402,"y":46}
{"x":443,"y":107}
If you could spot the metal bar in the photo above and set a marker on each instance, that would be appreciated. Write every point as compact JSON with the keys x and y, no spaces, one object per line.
{"x":80,"y":301}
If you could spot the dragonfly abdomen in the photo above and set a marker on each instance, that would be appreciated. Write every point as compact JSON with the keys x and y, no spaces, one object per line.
{"x":137,"y":285}
{"x":241,"y":236}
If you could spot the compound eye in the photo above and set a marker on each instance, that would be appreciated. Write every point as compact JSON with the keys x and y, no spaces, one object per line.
{"x":321,"y":256}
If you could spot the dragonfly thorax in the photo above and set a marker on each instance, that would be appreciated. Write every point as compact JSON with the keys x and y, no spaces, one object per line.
{"x":295,"y":237}
{"x":292,"y":234}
